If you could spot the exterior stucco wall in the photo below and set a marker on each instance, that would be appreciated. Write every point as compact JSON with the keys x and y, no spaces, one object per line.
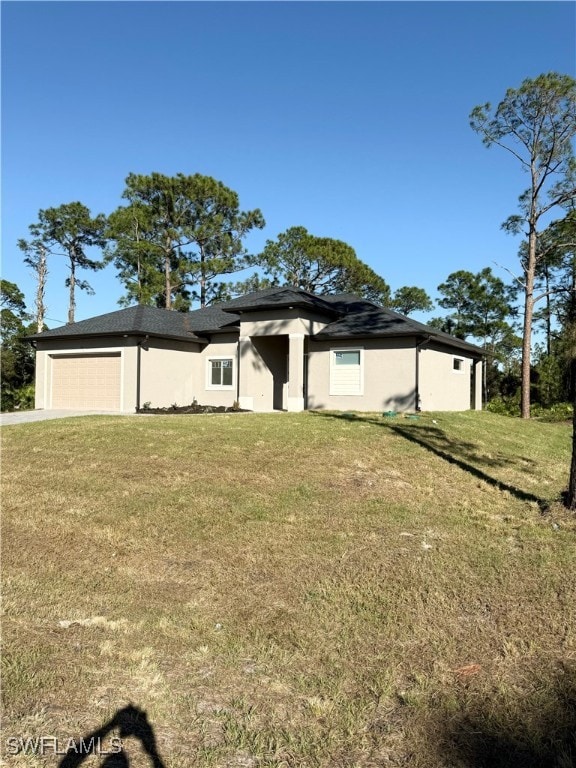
{"x":167,"y":372}
{"x":40,"y":380}
{"x":279,"y":322}
{"x":269,"y":352}
{"x":477,"y":384}
{"x":263,"y":372}
{"x":222,"y":345}
{"x":47,"y":349}
{"x":441,"y":387}
{"x":389,"y":375}
{"x":272,"y":357}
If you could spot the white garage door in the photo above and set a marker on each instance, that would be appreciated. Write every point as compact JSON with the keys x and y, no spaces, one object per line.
{"x":86,"y":382}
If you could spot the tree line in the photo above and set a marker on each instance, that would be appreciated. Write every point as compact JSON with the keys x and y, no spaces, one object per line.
{"x":180,"y":240}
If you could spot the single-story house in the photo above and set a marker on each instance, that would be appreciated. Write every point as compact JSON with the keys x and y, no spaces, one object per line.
{"x":278,"y":349}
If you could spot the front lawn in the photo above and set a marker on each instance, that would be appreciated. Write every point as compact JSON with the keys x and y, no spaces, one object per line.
{"x":293,"y":589}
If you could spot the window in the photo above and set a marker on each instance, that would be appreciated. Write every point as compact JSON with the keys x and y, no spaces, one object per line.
{"x":347,"y":357}
{"x":347,"y":371}
{"x":458,"y":364}
{"x":220,"y":373}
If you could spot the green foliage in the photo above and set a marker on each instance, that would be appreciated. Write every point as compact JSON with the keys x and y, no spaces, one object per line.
{"x":510,"y":406}
{"x":553,"y":413}
{"x":23,"y":398}
{"x":17,"y":370}
{"x":135,"y":254}
{"x":536,"y":123}
{"x":176,"y":237}
{"x":505,"y":406}
{"x":12,"y":299}
{"x":446,"y":325}
{"x":69,"y":230}
{"x":320,"y":265}
{"x":552,"y":376}
{"x":483,"y":306}
{"x":410,"y":299}
{"x":254,"y":282}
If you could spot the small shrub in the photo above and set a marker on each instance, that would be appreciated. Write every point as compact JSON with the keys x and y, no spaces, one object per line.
{"x":505,"y":406}
{"x":18,"y":399}
{"x":510,"y":406}
{"x":25,"y":397}
{"x":556,"y":412}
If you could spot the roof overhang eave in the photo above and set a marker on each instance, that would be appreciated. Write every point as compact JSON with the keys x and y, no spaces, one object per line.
{"x":456,"y":343}
{"x":193,"y":339}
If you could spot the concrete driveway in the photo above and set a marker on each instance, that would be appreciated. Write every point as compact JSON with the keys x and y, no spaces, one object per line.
{"x":26,"y":417}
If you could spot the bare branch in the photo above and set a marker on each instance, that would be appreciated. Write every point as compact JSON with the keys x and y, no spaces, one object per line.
{"x":514,"y":277}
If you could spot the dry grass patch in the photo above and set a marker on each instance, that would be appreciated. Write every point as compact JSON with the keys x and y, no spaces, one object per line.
{"x":293,"y":590}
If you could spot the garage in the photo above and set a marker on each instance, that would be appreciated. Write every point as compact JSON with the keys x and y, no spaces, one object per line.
{"x":86,"y":382}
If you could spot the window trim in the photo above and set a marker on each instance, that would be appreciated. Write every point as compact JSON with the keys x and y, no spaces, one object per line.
{"x":221,"y":387}
{"x":333,"y":366}
{"x":462,"y":368}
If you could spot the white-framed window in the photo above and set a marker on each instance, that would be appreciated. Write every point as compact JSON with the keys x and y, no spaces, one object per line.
{"x":347,"y":371}
{"x":458,"y":364}
{"x":220,"y":373}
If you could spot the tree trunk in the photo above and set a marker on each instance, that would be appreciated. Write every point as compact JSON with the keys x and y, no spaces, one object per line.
{"x":570,"y":500}
{"x":527,"y":350}
{"x":42,"y":272}
{"x":72,"y":302}
{"x":138,"y":262}
{"x":202,"y":278}
{"x":548,"y":311}
{"x":168,"y":286}
{"x":528,"y":314}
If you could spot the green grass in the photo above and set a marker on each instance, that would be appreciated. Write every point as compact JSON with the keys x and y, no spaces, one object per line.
{"x":294,"y":589}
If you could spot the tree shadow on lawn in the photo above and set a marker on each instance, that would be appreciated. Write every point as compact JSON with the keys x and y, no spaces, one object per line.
{"x":536,"y":732}
{"x":461,"y":453}
{"x":128,"y":722}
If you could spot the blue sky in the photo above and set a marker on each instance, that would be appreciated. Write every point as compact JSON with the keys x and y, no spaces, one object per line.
{"x":348,"y":118}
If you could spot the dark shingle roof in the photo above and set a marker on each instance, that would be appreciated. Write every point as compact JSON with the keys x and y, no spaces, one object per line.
{"x":346,"y":303}
{"x":279,"y":298}
{"x":212,"y":319}
{"x":354,"y":317}
{"x":140,"y":320}
{"x":379,"y":322}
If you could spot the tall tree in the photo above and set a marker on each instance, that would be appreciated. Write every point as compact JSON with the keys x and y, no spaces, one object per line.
{"x":320,"y":265}
{"x":558,"y":244}
{"x":555,"y":284}
{"x":410,"y":299}
{"x":484,"y":306}
{"x":216,"y":230}
{"x":149,"y":235}
{"x":35,"y":256}
{"x":133,"y":248}
{"x":71,"y":228}
{"x":536,"y":123}
{"x":176,"y":233}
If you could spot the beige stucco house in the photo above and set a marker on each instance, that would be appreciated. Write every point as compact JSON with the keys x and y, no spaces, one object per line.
{"x":278,"y":349}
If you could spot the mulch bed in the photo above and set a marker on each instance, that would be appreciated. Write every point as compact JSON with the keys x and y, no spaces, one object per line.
{"x":194,"y":408}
